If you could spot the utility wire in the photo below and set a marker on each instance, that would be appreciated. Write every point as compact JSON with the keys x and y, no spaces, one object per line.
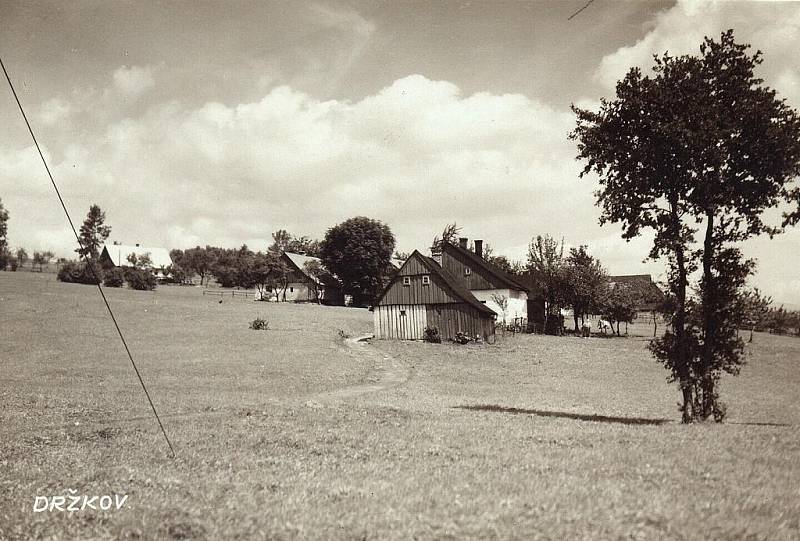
{"x":584,"y":7}
{"x":86,"y":259}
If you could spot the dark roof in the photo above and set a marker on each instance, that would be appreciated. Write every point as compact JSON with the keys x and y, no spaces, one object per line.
{"x":628,"y":278}
{"x":454,"y":285}
{"x":650,"y":295}
{"x":513,"y":282}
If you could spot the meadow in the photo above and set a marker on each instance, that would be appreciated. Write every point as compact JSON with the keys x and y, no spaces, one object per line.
{"x":297,"y":433}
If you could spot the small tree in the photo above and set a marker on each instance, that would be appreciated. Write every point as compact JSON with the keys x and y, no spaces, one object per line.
{"x":314,"y":269}
{"x":584,"y":281}
{"x":21,"y":256}
{"x":449,"y":236}
{"x":5,"y":254}
{"x":545,"y":263}
{"x":754,"y":309}
{"x":502,"y":302}
{"x":113,"y":277}
{"x":619,"y":304}
{"x":93,"y":233}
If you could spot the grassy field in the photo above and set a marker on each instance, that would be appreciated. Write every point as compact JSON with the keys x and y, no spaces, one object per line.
{"x":295,"y":433}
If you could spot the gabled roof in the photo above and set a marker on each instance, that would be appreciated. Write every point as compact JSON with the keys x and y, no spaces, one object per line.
{"x":119,"y":254}
{"x":456,"y":288}
{"x":628,"y":278}
{"x":648,"y":292}
{"x":499,"y":275}
{"x":299,"y":261}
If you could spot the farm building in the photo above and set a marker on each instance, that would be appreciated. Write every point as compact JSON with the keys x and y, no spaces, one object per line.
{"x":487,"y":283}
{"x":647,"y":293}
{"x":301,"y":286}
{"x":423,"y":294}
{"x":117,"y":255}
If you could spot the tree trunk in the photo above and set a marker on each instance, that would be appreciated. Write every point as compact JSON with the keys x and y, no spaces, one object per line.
{"x":655,"y":325}
{"x":679,"y":322}
{"x":575,"y":317}
{"x":706,"y":379}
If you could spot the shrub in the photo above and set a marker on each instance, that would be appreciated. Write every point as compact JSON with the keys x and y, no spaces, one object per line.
{"x":259,"y":324}
{"x":432,"y":335}
{"x":114,"y":277}
{"x":80,"y":273}
{"x":140,"y":279}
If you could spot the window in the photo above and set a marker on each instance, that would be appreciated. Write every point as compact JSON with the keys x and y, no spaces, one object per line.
{"x":426,"y":280}
{"x":467,"y":271}
{"x":402,"y":313}
{"x":406,"y":280}
{"x":291,"y":290}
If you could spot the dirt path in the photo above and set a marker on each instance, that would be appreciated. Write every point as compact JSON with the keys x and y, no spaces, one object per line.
{"x":387,"y":373}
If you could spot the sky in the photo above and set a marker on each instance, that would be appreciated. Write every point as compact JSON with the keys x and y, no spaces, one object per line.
{"x":194,"y":123}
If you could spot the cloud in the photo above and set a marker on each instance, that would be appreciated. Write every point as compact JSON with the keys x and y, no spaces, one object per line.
{"x":54,"y":110}
{"x":131,"y":82}
{"x":417,"y":154}
{"x":774,"y":28}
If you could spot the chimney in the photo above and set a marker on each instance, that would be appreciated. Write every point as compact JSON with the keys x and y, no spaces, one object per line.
{"x":479,"y":248}
{"x":462,"y":242}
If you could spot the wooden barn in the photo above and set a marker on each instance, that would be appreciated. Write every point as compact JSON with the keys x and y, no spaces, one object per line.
{"x":303,"y":287}
{"x":423,"y":294}
{"x":486,"y":282}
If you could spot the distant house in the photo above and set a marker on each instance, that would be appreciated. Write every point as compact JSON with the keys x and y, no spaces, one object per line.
{"x":648,"y":294}
{"x":424,"y":294}
{"x":117,"y":255}
{"x":486,"y":282}
{"x":303,"y":287}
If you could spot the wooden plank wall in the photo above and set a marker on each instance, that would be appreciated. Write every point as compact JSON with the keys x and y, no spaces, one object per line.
{"x":455,"y":263}
{"x":452,"y":318}
{"x":402,"y":322}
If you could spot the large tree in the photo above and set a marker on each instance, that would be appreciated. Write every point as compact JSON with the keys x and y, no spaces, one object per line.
{"x":93,"y":233}
{"x":701,"y":142}
{"x":358,"y":251}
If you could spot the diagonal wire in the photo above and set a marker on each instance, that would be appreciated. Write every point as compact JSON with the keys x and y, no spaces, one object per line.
{"x":86,"y":259}
{"x":584,"y":7}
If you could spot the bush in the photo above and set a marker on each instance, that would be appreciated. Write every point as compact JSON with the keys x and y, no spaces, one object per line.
{"x":80,"y":273}
{"x":114,"y":277}
{"x":259,"y":324}
{"x":140,"y":279}
{"x":432,"y":335}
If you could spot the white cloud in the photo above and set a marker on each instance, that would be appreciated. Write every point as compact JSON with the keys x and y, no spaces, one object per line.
{"x":131,"y":82}
{"x":774,"y":28}
{"x":417,"y":155}
{"x":54,"y":110}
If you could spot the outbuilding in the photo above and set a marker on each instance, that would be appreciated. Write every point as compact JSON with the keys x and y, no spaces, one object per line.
{"x":425,"y":295}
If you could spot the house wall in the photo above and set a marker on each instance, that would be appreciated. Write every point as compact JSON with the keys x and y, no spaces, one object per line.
{"x":298,"y":292}
{"x":517,"y":302}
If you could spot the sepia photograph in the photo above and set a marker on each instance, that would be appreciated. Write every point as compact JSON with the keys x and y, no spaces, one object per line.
{"x":399,"y":269}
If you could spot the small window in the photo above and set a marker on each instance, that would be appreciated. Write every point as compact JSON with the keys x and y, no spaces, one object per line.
{"x":402,"y":313}
{"x":406,"y":280}
{"x":291,"y":290}
{"x":426,"y":280}
{"x":467,"y":271}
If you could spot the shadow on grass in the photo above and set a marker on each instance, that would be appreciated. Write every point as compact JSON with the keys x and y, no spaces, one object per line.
{"x":567,"y":415}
